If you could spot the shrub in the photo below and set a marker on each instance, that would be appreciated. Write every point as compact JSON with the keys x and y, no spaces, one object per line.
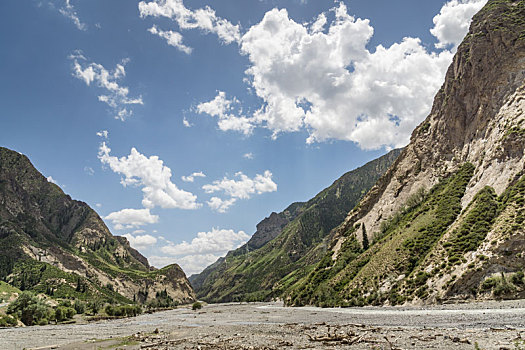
{"x":196,"y":306}
{"x":517,"y":278}
{"x":94,"y":306}
{"x":123,"y":310}
{"x":30,"y":310}
{"x":7,"y":321}
{"x":79,"y":307}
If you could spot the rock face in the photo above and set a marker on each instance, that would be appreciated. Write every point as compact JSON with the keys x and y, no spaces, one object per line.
{"x":288,"y":244}
{"x":267,"y":229}
{"x":451,"y":206}
{"x":43,"y":229}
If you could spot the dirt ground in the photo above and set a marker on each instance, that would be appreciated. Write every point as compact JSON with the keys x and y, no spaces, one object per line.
{"x":258,"y":326}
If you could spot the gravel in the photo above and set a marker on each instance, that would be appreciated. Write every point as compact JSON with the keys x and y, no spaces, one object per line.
{"x":257,"y":326}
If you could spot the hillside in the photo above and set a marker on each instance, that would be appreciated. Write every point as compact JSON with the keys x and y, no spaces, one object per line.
{"x":446,"y":220}
{"x":294,"y":245}
{"x":52,"y":244}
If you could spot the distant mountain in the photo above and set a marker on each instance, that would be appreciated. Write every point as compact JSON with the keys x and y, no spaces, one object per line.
{"x":287,"y":245}
{"x":446,"y":221}
{"x":52,"y":244}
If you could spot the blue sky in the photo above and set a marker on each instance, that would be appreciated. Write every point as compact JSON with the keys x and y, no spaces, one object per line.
{"x":263,"y":102}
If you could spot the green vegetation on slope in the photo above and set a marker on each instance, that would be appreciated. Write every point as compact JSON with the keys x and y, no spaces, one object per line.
{"x":355,"y":276}
{"x":269,"y":270}
{"x":475,"y":226}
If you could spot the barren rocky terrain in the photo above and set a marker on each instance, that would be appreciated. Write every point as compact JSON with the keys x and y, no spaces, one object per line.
{"x":489,"y":325}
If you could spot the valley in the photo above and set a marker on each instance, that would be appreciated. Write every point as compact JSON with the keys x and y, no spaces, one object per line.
{"x":491,"y":325}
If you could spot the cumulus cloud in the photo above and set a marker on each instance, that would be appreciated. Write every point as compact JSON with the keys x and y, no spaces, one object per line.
{"x":452,"y":23}
{"x":204,"y":19}
{"x":328,"y":82}
{"x":172,"y":38}
{"x":140,"y":241}
{"x":223,"y":108}
{"x":186,"y":123}
{"x":69,"y":11}
{"x":248,"y":155}
{"x":103,"y":134}
{"x":203,"y":250}
{"x":131,"y":218}
{"x":190,"y":264}
{"x":321,"y":77}
{"x":53,"y":181}
{"x":221,"y":205}
{"x":243,"y":188}
{"x":152,"y":175}
{"x":191,"y":178}
{"x":117,"y":96}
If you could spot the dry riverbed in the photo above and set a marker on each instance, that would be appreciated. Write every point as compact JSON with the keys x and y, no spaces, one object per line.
{"x":492,"y":325}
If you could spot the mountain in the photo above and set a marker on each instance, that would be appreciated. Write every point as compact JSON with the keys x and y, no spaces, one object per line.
{"x":267,"y":229}
{"x":446,"y":221}
{"x":287,"y":245}
{"x":52,"y":244}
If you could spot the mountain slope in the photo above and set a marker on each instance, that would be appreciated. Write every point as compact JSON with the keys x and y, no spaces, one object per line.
{"x":446,"y":219}
{"x":52,"y":244}
{"x":267,"y":229}
{"x":259,"y":274}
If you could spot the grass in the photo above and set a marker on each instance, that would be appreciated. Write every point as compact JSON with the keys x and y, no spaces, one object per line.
{"x":355,"y":277}
{"x":474,"y":227}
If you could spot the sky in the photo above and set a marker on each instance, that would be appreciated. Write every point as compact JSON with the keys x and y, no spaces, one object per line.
{"x":184,"y":123}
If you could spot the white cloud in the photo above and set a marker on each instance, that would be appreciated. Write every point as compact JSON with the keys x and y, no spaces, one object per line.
{"x":103,"y":134}
{"x":248,"y":155}
{"x":222,"y":108}
{"x":186,"y":123}
{"x":203,"y":250}
{"x":191,"y":178}
{"x":243,"y":188}
{"x":328,"y":82}
{"x":172,"y":38}
{"x":69,"y":11}
{"x":117,"y":96}
{"x":190,"y":263}
{"x":452,"y":23}
{"x":53,"y":181}
{"x":321,"y":77}
{"x":221,"y":205}
{"x":140,"y":241}
{"x":216,"y":241}
{"x":89,"y":170}
{"x":204,"y":19}
{"x":98,"y":205}
{"x":152,"y":175}
{"x":131,"y":218}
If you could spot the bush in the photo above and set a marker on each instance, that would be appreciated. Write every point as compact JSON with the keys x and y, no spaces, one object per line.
{"x":30,"y":310}
{"x":196,"y":306}
{"x":517,"y":278}
{"x":94,"y":306}
{"x":7,"y":321}
{"x":79,"y":307}
{"x":123,"y":310}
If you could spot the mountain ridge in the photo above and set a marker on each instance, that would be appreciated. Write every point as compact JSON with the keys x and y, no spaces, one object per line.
{"x":427,"y":250}
{"x":42,"y":228}
{"x":252,"y":275}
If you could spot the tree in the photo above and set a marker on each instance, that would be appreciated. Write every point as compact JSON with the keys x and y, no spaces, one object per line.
{"x":30,"y":310}
{"x":366,"y":244}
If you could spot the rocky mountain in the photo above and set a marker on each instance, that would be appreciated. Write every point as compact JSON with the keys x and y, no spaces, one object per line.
{"x":286,"y":246}
{"x":52,"y":244}
{"x":446,"y":221}
{"x":267,"y":229}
